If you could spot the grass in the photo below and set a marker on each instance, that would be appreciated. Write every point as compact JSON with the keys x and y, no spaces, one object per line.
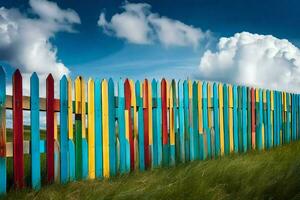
{"x":273,"y":174}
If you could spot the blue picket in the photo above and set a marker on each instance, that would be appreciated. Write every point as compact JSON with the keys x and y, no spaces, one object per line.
{"x":186,"y":120}
{"x":159,"y":127}
{"x":121,"y":123}
{"x":181,"y":121}
{"x":98,"y":129}
{"x":3,"y":132}
{"x":226,"y":124}
{"x":195,"y":120}
{"x":216,"y":119}
{"x":206,"y":152}
{"x":155,"y":124}
{"x":139,"y":103}
{"x":35,"y":132}
{"x":112,"y":135}
{"x":244,"y":118}
{"x":269,"y":137}
{"x":63,"y":129}
{"x":235,"y":119}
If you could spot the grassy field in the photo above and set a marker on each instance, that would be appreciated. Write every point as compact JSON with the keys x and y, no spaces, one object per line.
{"x":273,"y":174}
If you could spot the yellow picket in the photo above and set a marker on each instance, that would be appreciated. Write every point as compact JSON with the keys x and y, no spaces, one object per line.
{"x":70,"y":110}
{"x":91,"y":129}
{"x":105,"y":129}
{"x":220,"y":87}
{"x":230,"y":119}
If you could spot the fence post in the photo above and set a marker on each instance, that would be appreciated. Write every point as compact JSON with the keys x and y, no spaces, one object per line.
{"x":216,"y":119}
{"x":200,"y":122}
{"x":235,"y":119}
{"x":230,"y":117}
{"x":18,"y":130}
{"x":165,"y":122}
{"x":35,"y":132}
{"x":171,"y":126}
{"x":221,"y":115}
{"x":186,"y":120}
{"x":121,"y":123}
{"x":155,"y":124}
{"x":112,"y":133}
{"x":225,"y":112}
{"x":195,"y":120}
{"x":2,"y":132}
{"x":244,"y":117}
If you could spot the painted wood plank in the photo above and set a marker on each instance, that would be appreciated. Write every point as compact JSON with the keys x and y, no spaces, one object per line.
{"x":164,"y":123}
{"x":191,"y":121}
{"x":253,"y":120}
{"x":146,"y":123}
{"x":226,"y":127}
{"x":78,"y":129}
{"x":176,"y":124}
{"x":216,"y":119}
{"x":71,"y":145}
{"x":155,"y":125}
{"x":206,"y":151}
{"x":134,"y":124}
{"x":221,"y":118}
{"x":112,"y":131}
{"x":150,"y":123}
{"x":244,"y":118}
{"x":50,"y":128}
{"x":3,"y":175}
{"x":98,"y":130}
{"x":230,"y":118}
{"x":139,"y":101}
{"x":294,"y":116}
{"x":159,"y":130}
{"x":181,"y":121}
{"x":129,"y":131}
{"x":269,"y":135}
{"x":209,"y":120}
{"x":64,"y":177}
{"x":200,"y":122}
{"x":35,"y":132}
{"x":121,"y":122}
{"x":195,"y":120}
{"x":171,"y":127}
{"x":249,"y":128}
{"x":105,"y":129}
{"x":91,"y":129}
{"x":83,"y":131}
{"x":260,"y":118}
{"x":240,"y":118}
{"x":186,"y":121}
{"x":235,"y":119}
{"x":265,"y":127}
{"x":272,"y":118}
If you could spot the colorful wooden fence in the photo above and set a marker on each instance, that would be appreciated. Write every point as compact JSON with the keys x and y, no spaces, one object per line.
{"x":131,"y":126}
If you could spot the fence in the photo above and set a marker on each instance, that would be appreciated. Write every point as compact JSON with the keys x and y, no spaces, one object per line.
{"x":146,"y":125}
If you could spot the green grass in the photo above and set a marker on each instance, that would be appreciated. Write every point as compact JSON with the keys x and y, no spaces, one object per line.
{"x":273,"y":174}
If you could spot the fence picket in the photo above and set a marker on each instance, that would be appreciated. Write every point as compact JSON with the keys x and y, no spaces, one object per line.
{"x":2,"y":131}
{"x":91,"y":129}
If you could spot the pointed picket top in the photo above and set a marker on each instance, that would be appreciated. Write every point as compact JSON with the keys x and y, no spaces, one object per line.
{"x":64,"y":80}
{"x":132,"y":87}
{"x":154,"y":88}
{"x":110,"y":83}
{"x":121,"y":88}
{"x":127,"y":91}
{"x":50,"y":78}
{"x":145,"y":93}
{"x":90,"y":81}
{"x":204,"y":90}
{"x":230,"y":95}
{"x":164,"y":83}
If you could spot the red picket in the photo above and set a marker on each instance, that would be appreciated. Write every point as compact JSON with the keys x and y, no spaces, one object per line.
{"x":50,"y":127}
{"x":146,"y":124}
{"x":18,"y":130}
{"x":253,"y":117}
{"x":164,"y":111}
{"x":127,"y":92}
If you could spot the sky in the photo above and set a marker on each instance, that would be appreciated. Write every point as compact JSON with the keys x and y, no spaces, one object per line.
{"x":253,"y":42}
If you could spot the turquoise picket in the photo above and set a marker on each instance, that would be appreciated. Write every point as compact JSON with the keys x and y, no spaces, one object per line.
{"x":181,"y":121}
{"x":84,"y":158}
{"x":195,"y":120}
{"x":275,"y":119}
{"x":216,"y":119}
{"x":155,"y":124}
{"x":235,"y":119}
{"x":98,"y":130}
{"x":191,"y":124}
{"x":35,"y":132}
{"x":288,"y":118}
{"x":71,"y":147}
{"x":3,"y":127}
{"x":186,"y":120}
{"x":240,"y":119}
{"x":112,"y":135}
{"x":176,"y":123}
{"x":63,"y":129}
{"x":265,"y":120}
{"x":139,"y":103}
{"x":244,"y":118}
{"x":225,"y":114}
{"x":206,"y":152}
{"x":159,"y":127}
{"x":249,"y":128}
{"x":269,"y":137}
{"x":121,"y":123}
{"x":294,"y":117}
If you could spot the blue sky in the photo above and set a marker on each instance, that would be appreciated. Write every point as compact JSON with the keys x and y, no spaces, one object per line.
{"x":90,"y":51}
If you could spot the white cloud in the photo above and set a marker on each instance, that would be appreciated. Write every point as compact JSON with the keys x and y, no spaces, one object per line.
{"x":24,"y":40}
{"x":138,"y":25}
{"x":255,"y":60}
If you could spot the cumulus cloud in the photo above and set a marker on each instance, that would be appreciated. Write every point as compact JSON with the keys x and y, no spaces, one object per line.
{"x":138,"y":25}
{"x":255,"y":60}
{"x":24,"y":39}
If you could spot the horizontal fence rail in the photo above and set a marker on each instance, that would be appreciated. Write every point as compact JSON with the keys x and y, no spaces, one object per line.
{"x":112,"y":128}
